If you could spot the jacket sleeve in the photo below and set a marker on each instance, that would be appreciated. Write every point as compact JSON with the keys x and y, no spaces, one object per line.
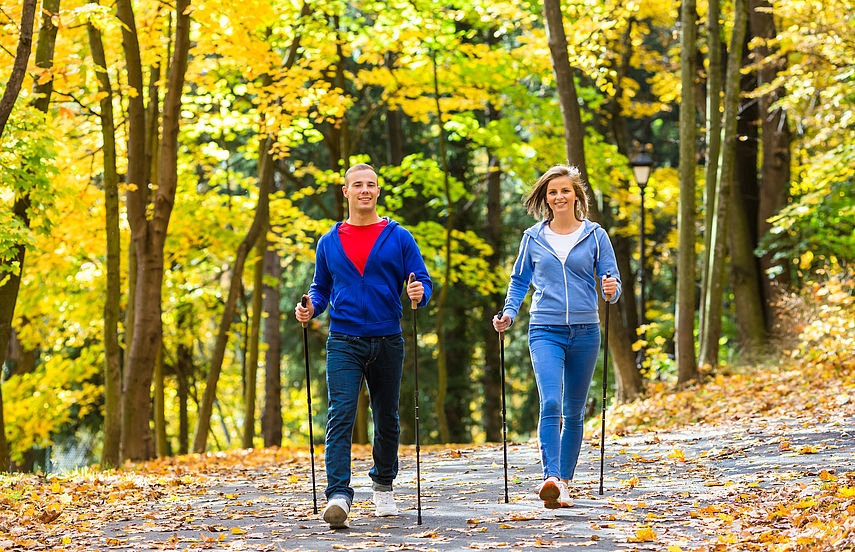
{"x":414,"y":263}
{"x":520,"y":279}
{"x":321,"y":288}
{"x":606,"y":263}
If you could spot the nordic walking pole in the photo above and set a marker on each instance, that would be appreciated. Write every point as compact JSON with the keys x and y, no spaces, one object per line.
{"x":309,"y":407}
{"x":415,"y":307}
{"x":605,"y":380}
{"x":504,"y":410}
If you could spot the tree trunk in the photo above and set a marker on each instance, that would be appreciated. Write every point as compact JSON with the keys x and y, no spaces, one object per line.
{"x":259,"y":224}
{"x":44,"y":59}
{"x":775,"y":170}
{"x":183,"y":371}
{"x":709,"y":322}
{"x":727,"y":163}
{"x":445,"y":283}
{"x":494,"y":234}
{"x":627,"y":376}
{"x":149,"y":236}
{"x":271,"y":419}
{"x":687,"y":369}
{"x":742,"y":226}
{"x":623,"y":246}
{"x":161,"y":444}
{"x":254,"y":337}
{"x":19,"y":70}
{"x":112,"y":352}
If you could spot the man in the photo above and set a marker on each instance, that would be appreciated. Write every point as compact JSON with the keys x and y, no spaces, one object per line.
{"x":361,"y":266}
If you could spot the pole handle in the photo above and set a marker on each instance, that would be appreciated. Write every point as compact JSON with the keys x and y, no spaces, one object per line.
{"x":304,"y":302}
{"x":608,"y":297}
{"x":413,"y":304}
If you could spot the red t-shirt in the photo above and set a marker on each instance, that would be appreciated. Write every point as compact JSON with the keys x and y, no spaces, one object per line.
{"x":358,"y":241}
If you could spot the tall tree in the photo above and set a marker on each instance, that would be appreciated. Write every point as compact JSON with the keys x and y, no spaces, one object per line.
{"x":149,"y":234}
{"x":112,"y":352}
{"x":743,"y":271}
{"x":42,"y":90}
{"x":722,"y":197}
{"x":271,"y":419}
{"x":10,"y":286}
{"x":259,"y":225}
{"x":709,"y":322}
{"x":251,"y":371}
{"x":687,"y":368}
{"x":627,"y":376}
{"x":775,"y":142}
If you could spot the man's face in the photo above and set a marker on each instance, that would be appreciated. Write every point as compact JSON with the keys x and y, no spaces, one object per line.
{"x":362,"y":190}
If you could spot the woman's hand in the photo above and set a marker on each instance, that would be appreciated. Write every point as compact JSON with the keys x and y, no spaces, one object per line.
{"x":501,"y":323}
{"x":609,"y":286}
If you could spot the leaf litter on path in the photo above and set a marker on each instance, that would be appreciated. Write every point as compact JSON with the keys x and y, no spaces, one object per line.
{"x":736,"y":480}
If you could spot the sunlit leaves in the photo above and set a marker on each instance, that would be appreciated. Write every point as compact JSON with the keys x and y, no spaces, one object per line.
{"x":40,"y":404}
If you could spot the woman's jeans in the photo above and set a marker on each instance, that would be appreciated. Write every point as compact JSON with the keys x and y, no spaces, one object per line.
{"x":379,"y":361}
{"x":563,"y":358}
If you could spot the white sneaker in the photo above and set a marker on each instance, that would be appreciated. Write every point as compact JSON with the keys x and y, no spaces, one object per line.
{"x":554,"y":494}
{"x":564,"y":500}
{"x":336,"y":513}
{"x":384,"y":504}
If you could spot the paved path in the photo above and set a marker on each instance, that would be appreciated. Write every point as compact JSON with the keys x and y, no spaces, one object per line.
{"x":653,"y":484}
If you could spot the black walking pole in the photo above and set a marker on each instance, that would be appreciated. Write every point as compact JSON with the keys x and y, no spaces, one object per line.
{"x":415,"y":307}
{"x":504,"y":410}
{"x":309,"y":405}
{"x":605,"y":380}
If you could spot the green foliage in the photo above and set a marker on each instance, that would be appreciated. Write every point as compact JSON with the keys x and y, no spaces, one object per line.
{"x":26,"y":169}
{"x":817,"y":229}
{"x":358,"y":64}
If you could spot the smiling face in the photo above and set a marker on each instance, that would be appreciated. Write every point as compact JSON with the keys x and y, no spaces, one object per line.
{"x":561,"y":197}
{"x":361,"y":190}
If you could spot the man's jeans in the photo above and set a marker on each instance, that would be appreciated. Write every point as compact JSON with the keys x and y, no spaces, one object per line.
{"x":563,"y":358}
{"x":379,"y":361}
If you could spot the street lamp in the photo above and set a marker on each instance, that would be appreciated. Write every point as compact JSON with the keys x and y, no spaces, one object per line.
{"x":642,"y":166}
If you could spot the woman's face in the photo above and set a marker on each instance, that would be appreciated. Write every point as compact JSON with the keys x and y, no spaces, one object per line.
{"x":561,"y":196}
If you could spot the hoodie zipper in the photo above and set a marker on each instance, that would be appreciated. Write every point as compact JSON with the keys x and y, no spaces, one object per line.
{"x":563,"y":271}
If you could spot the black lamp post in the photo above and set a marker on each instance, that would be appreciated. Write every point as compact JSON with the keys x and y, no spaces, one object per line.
{"x":642,"y":166}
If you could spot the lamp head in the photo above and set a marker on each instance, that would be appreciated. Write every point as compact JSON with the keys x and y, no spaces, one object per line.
{"x":642,"y":166}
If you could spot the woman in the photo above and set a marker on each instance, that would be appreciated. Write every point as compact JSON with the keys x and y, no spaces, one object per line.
{"x":562,"y":257}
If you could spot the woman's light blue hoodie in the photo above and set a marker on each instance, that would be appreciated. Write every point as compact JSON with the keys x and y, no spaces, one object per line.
{"x":563,"y":293}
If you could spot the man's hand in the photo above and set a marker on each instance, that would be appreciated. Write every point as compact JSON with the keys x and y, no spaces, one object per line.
{"x":304,"y":314}
{"x":415,"y":290}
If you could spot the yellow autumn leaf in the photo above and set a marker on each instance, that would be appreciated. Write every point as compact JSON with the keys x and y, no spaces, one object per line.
{"x":808,"y":449}
{"x":677,"y":454}
{"x":825,"y":475}
{"x":674,"y":548}
{"x":806,"y":503}
{"x":846,"y":492}
{"x":631,"y":483}
{"x":644,"y":534}
{"x":238,"y":531}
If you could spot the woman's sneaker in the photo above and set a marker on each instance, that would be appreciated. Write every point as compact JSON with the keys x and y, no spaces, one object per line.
{"x":384,"y":504}
{"x":564,"y":500}
{"x":554,"y":494}
{"x":336,"y":513}
{"x":549,"y":492}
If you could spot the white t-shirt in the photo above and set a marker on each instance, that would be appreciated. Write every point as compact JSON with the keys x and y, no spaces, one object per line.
{"x":562,"y":243}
